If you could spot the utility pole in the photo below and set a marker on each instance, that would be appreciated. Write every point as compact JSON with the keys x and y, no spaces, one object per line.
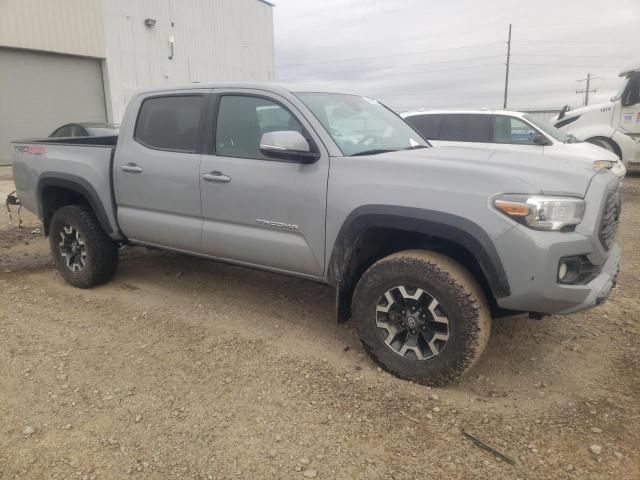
{"x":587,"y":90}
{"x":506,"y":77}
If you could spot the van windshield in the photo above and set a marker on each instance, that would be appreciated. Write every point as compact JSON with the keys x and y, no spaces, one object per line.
{"x":360,"y":125}
{"x":549,"y":129}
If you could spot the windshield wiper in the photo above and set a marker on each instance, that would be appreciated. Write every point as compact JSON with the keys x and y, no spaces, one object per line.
{"x":374,"y":151}
{"x":415,"y":147}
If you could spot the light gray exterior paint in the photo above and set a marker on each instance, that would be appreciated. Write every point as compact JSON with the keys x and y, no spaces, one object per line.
{"x":41,"y":91}
{"x":453,"y":183}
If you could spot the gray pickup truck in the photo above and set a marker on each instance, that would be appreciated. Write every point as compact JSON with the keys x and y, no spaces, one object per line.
{"x":424,"y":246}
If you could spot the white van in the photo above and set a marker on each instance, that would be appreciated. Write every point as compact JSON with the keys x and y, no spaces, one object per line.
{"x":614,"y":125}
{"x":505,"y":130}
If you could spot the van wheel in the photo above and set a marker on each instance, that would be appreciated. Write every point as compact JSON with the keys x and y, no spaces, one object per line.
{"x":421,"y":316}
{"x":84,"y":254}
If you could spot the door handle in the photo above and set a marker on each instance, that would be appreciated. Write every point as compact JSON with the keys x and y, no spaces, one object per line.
{"x":216,"y":177}
{"x":132,"y":168}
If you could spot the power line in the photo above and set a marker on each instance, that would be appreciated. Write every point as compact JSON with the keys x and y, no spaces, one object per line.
{"x":587,"y":89}
{"x":421,"y":72}
{"x":568,"y":56}
{"x":563,"y":65}
{"x":576,"y":41}
{"x":387,"y":56}
{"x":424,"y":64}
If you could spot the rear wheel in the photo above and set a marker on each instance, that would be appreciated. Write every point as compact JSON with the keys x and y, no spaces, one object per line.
{"x":84,"y":254}
{"x":421,"y":316}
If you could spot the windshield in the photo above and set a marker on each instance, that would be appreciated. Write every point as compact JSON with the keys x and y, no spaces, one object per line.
{"x":551,"y":130}
{"x":360,"y":125}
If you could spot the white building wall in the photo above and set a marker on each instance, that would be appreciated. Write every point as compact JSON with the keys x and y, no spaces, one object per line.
{"x":73,"y":27}
{"x":213,"y":40}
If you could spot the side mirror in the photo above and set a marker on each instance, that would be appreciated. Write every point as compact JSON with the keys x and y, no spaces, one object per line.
{"x":288,"y":145}
{"x":541,"y":140}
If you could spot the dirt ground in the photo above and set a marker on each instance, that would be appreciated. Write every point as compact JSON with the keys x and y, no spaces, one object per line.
{"x":188,"y":369}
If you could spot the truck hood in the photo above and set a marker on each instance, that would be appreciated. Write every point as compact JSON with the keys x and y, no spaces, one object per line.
{"x":598,"y":107}
{"x":513,"y":172}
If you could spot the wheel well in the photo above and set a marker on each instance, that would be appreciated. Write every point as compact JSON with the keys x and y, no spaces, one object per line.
{"x":379,"y":242}
{"x":52,"y":198}
{"x":613,"y":143}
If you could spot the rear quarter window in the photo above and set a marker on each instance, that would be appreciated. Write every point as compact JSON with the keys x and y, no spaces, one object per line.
{"x":428,"y":125}
{"x":465,"y":127}
{"x":170,"y":122}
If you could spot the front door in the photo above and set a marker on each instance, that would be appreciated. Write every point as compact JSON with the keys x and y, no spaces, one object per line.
{"x":257,"y":210}
{"x":157,"y":171}
{"x":515,"y":135}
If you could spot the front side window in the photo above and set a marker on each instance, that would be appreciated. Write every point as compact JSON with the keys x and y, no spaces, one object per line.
{"x":360,"y":125}
{"x":428,"y":125}
{"x":631,"y":94}
{"x":242,"y":120}
{"x":466,"y":127}
{"x":170,"y":123}
{"x":513,"y":130}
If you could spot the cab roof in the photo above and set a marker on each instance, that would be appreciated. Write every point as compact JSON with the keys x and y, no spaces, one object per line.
{"x":275,"y":87}
{"x":631,"y":66}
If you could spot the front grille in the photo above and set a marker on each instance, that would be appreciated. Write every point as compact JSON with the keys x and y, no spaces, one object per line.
{"x":610,"y":216}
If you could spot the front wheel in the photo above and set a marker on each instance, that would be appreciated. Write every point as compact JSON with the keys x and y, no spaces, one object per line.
{"x":421,"y":316}
{"x":84,"y":254}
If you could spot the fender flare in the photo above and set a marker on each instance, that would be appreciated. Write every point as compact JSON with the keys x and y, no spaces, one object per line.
{"x":442,"y":225}
{"x":80,"y":186}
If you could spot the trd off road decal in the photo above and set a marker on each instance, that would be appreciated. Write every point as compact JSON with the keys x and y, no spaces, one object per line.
{"x":30,"y":149}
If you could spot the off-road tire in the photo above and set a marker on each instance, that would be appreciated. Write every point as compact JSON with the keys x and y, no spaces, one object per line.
{"x":101,"y":252}
{"x":457,"y":292}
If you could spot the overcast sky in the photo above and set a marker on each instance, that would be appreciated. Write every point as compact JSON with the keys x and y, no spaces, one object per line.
{"x":451,"y":53}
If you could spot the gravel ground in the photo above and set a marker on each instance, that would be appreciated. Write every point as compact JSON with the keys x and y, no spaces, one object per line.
{"x":187,"y":369}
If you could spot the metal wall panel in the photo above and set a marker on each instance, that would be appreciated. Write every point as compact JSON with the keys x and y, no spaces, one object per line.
{"x":213,"y":40}
{"x":64,"y":26}
{"x":42,"y":91}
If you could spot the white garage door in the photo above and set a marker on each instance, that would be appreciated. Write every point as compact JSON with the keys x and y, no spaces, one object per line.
{"x":41,"y":91}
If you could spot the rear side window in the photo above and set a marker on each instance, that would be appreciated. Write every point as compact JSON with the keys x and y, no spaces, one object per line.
{"x":466,"y":128}
{"x":170,"y":123}
{"x":427,"y":125}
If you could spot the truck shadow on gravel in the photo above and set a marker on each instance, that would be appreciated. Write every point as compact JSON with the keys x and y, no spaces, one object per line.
{"x":521,"y":352}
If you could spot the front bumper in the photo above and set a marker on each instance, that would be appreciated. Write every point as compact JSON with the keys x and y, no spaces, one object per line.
{"x":531,"y":259}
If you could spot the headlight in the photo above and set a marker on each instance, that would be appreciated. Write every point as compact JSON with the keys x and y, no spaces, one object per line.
{"x":604,"y":164}
{"x":541,"y":212}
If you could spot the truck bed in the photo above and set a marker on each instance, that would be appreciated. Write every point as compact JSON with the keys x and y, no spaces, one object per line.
{"x":44,"y":163}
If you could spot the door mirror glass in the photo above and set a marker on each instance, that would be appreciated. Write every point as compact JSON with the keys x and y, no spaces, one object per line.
{"x":287,"y":144}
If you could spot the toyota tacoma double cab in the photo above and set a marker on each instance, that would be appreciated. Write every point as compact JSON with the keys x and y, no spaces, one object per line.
{"x":424,"y":246}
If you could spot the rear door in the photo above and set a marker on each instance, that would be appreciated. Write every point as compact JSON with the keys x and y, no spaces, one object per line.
{"x":428,"y":125}
{"x":157,"y":170}
{"x":466,"y":130}
{"x":257,"y":210}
